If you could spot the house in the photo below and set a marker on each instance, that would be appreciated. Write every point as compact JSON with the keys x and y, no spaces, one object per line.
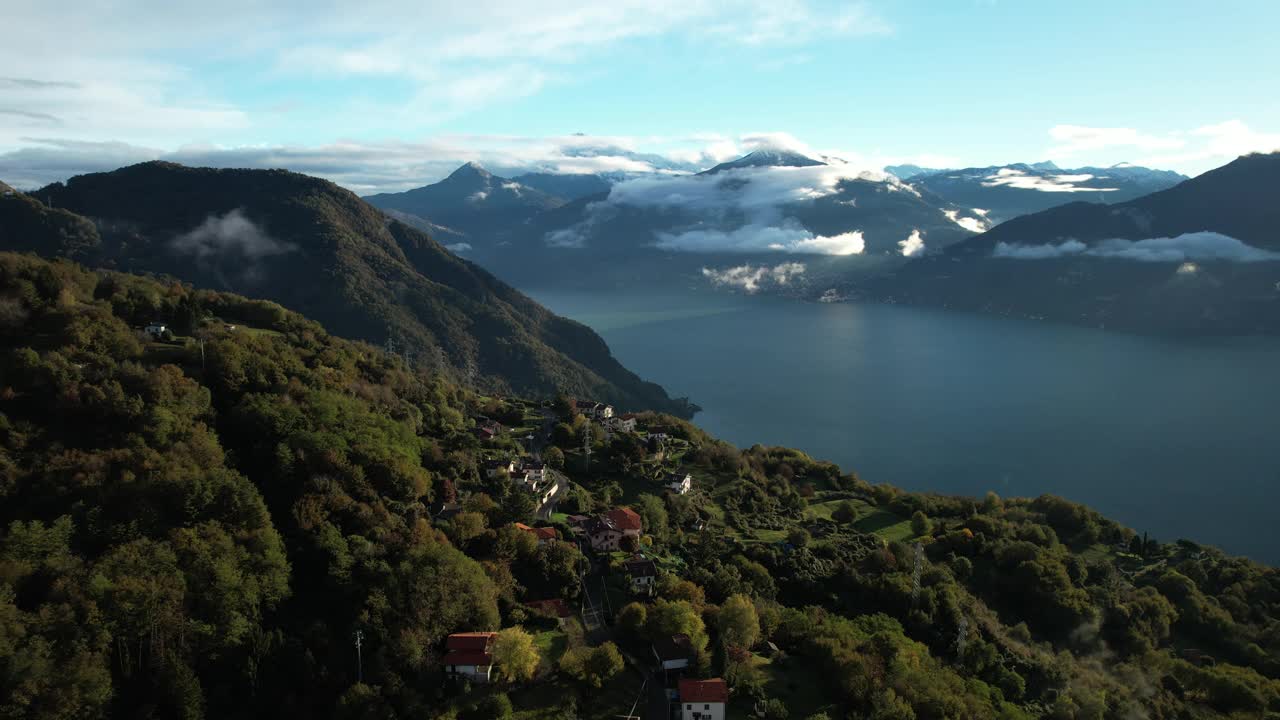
{"x":578,"y":523}
{"x":470,"y":655}
{"x":643,"y":575}
{"x":487,"y":429}
{"x":543,"y":534}
{"x":557,"y":608}
{"x":673,"y":653}
{"x":703,"y":699}
{"x":156,"y":329}
{"x":607,"y":530}
{"x":534,"y":470}
{"x":494,"y":468}
{"x":679,"y":483}
{"x":539,"y":483}
{"x":622,"y":423}
{"x":594,"y":410}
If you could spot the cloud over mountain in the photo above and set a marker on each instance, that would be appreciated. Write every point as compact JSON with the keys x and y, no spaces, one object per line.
{"x":753,"y":278}
{"x":1197,"y":246}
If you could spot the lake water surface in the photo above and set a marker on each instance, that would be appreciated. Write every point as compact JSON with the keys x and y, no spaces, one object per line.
{"x":1177,"y":438}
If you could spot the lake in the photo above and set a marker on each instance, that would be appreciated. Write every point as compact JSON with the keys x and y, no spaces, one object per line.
{"x":1173,"y":437}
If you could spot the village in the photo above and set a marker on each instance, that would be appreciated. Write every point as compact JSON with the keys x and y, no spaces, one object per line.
{"x":618,"y":562}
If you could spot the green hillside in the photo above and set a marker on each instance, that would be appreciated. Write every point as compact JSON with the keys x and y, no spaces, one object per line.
{"x":318,"y":249}
{"x":196,"y":525}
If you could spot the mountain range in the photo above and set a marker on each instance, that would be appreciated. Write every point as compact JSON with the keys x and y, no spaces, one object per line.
{"x":316,"y":248}
{"x":1007,"y":191}
{"x":1202,"y":257}
{"x":766,"y":207}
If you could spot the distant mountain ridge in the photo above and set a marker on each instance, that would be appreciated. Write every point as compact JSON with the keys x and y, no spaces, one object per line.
{"x":1008,"y":191}
{"x":765,"y":158}
{"x":1202,"y":257}
{"x":318,"y":249}
{"x":471,"y":200}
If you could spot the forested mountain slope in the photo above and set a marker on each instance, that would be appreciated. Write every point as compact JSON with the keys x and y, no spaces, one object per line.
{"x":196,"y":527}
{"x":320,"y":250}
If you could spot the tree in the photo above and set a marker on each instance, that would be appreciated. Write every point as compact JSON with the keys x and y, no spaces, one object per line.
{"x":845,"y":513}
{"x":554,"y":457}
{"x":920,"y":524}
{"x":653,"y":513}
{"x":515,"y":655}
{"x":490,"y":707}
{"x":674,"y":618}
{"x":798,"y":537}
{"x":739,"y":624}
{"x":465,"y":526}
{"x":592,"y":666}
{"x":632,"y":618}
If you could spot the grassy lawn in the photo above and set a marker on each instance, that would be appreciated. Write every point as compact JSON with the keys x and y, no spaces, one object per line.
{"x":870,"y":519}
{"x":886,"y":525}
{"x":767,"y":536}
{"x":551,"y":645}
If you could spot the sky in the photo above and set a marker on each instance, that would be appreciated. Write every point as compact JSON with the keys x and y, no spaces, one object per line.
{"x":391,"y":94}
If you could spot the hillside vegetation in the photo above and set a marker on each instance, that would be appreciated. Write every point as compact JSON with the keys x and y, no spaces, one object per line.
{"x":196,"y":526}
{"x":320,"y":250}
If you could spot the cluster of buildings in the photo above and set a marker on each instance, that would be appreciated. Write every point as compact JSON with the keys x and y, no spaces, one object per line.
{"x":531,"y":475}
{"x":605,"y":531}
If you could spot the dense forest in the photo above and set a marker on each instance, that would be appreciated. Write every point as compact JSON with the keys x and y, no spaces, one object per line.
{"x":318,"y":249}
{"x":198,"y":523}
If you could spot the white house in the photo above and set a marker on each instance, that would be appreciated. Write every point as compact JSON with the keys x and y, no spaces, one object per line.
{"x":155,"y":329}
{"x":679,"y":483}
{"x":594,"y":410}
{"x":703,"y":699}
{"x":470,"y":655}
{"x":535,"y":470}
{"x":622,"y":423}
{"x":494,"y":468}
{"x":643,"y":575}
{"x":673,"y":653}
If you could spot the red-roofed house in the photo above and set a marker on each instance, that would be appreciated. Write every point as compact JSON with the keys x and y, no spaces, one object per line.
{"x":469,"y":655}
{"x":703,"y":699}
{"x":607,"y":530}
{"x":544,"y":534}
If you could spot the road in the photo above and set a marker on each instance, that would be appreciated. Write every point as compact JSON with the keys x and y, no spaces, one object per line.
{"x":562,"y":484}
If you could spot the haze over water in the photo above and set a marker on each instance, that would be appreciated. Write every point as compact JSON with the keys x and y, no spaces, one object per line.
{"x":1173,"y":437}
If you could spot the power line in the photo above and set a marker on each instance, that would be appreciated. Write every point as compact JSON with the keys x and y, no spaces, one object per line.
{"x":359,"y":638}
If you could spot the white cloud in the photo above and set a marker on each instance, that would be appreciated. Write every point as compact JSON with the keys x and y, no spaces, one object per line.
{"x":232,"y":233}
{"x":752,"y":279}
{"x":155,"y":73}
{"x":785,"y":22}
{"x":1038,"y":252}
{"x":1074,"y":139}
{"x":913,"y":245}
{"x":1185,"y":248}
{"x":972,"y":224}
{"x":458,"y":247}
{"x":1014,"y":178}
{"x":741,"y":210}
{"x":1192,"y":151}
{"x":787,"y":237}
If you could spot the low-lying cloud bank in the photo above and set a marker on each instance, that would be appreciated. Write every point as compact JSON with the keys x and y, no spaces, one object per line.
{"x":1189,"y":247}
{"x":232,"y":233}
{"x":1014,"y":178}
{"x":789,"y":237}
{"x":739,"y":210}
{"x":752,"y":278}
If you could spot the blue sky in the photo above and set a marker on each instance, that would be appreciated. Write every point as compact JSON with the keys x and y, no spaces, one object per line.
{"x":393,"y":93}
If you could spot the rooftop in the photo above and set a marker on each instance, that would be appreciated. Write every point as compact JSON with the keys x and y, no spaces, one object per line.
{"x":704,"y":691}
